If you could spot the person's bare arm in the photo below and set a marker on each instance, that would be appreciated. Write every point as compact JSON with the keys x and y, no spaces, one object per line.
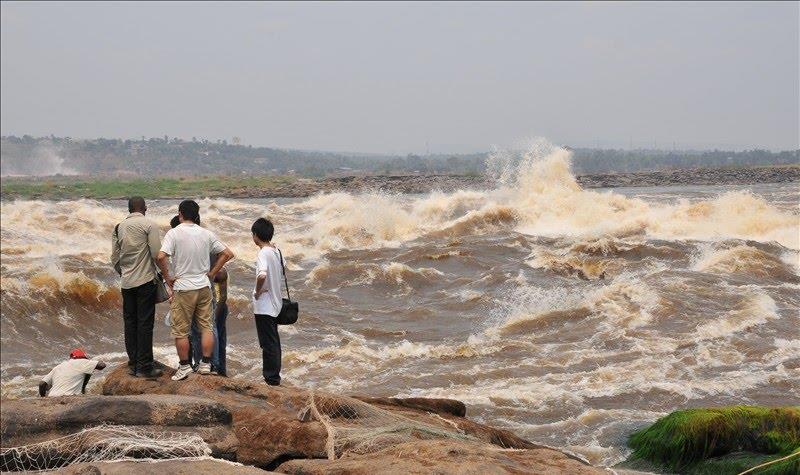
{"x":221,"y":278}
{"x":99,"y":367}
{"x":222,"y":258}
{"x":163,"y":265}
{"x":260,"y":280}
{"x":43,"y":387}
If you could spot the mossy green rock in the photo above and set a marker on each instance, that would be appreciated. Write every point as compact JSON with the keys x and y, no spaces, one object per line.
{"x":721,"y":440}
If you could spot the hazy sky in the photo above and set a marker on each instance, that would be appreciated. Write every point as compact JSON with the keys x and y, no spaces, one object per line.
{"x":391,"y":77}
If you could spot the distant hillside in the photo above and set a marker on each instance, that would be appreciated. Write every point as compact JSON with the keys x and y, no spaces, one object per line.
{"x":176,"y":157}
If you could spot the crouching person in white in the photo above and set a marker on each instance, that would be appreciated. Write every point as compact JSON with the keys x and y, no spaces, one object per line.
{"x":70,"y":377}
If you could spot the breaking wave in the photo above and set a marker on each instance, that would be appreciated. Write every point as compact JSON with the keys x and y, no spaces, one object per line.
{"x":393,"y":274}
{"x":571,"y":265}
{"x":537,"y":194}
{"x":52,"y":285}
{"x":754,"y":310}
{"x":748,"y":261}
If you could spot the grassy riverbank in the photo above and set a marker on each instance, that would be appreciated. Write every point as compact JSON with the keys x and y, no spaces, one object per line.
{"x":57,"y":188}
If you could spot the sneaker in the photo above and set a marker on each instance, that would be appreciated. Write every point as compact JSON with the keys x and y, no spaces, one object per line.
{"x":183,"y":372}
{"x":204,"y":368}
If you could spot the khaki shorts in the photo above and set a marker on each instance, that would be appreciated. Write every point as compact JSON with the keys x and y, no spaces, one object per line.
{"x":188,"y":305}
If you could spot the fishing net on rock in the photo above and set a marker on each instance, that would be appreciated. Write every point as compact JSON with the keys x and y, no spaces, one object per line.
{"x":357,"y":427}
{"x":103,"y":443}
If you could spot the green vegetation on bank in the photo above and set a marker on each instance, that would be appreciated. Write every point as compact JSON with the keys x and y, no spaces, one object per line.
{"x":67,"y":188}
{"x":721,"y":441}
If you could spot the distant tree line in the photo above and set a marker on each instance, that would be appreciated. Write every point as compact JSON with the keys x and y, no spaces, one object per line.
{"x":589,"y":161}
{"x":177,"y":157}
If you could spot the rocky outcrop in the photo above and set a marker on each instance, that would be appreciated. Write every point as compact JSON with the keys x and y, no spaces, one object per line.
{"x":383,"y":183}
{"x":272,"y":423}
{"x":279,"y":428}
{"x":264,"y":418}
{"x":30,"y":421}
{"x":173,"y":467}
{"x":694,"y":176}
{"x":442,"y":457}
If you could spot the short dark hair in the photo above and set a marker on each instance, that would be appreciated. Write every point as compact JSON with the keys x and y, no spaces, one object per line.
{"x":263,"y":229}
{"x":175,"y":221}
{"x":136,"y":203}
{"x":190,"y":210}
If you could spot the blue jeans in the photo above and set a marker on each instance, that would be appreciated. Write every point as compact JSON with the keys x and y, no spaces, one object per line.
{"x":220,"y":318}
{"x":196,"y":353}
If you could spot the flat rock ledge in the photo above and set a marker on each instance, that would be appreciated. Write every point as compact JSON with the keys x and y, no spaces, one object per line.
{"x":272,"y":428}
{"x":445,"y":457}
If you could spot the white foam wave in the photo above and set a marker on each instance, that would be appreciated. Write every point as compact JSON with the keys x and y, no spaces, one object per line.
{"x":755,"y":309}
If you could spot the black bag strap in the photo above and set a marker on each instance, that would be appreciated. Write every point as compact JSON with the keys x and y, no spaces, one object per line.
{"x":285,"y":281}
{"x":116,"y":243}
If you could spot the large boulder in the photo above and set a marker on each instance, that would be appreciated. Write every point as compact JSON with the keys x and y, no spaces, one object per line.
{"x":444,"y":457}
{"x":265,"y":418}
{"x":274,"y":424}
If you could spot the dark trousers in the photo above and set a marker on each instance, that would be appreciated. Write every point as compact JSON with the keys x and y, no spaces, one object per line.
{"x":270,"y":342}
{"x":220,"y":319}
{"x":138,"y":313}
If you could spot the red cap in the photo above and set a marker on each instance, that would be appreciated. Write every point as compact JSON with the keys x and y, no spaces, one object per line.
{"x":77,"y":353}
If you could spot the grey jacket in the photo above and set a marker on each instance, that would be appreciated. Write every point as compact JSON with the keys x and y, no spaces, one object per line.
{"x":134,"y":246}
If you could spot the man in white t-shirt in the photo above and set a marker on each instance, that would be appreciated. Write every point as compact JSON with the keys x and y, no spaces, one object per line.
{"x":267,"y":299}
{"x":190,"y":247}
{"x":70,"y":377}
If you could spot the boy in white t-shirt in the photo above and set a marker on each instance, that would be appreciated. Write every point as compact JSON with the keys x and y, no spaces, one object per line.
{"x":267,"y":299}
{"x":70,"y":377}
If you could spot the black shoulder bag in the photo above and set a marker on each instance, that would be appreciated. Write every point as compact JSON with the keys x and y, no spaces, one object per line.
{"x":289,"y":309}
